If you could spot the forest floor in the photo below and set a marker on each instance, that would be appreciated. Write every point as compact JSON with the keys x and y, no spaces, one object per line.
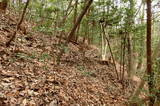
{"x":30,"y":76}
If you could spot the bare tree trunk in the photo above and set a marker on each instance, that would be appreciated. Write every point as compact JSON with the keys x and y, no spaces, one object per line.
{"x":18,"y":25}
{"x":75,"y":17}
{"x":149,"y":60}
{"x":140,"y":61}
{"x":149,"y":53}
{"x":129,"y":39}
{"x":130,"y":56}
{"x":3,"y":6}
{"x":77,"y":33}
{"x":66,"y":14}
{"x":64,"y":20}
{"x":107,"y":40}
{"x":75,"y":11}
{"x":71,"y":34}
{"x":123,"y":57}
{"x":156,"y":53}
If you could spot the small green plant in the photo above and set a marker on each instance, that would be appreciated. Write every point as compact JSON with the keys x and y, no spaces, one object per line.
{"x":45,"y":67}
{"x":44,"y":29}
{"x":33,"y":56}
{"x":44,"y":57}
{"x":12,"y":60}
{"x":81,"y":68}
{"x":21,"y":56}
{"x":83,"y":71}
{"x":87,"y":73}
{"x":24,"y":56}
{"x":63,"y":47}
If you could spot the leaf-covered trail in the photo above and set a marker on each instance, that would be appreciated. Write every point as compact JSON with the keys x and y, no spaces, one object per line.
{"x":29,"y":75}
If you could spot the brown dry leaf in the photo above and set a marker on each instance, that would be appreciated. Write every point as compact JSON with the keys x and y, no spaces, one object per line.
{"x":24,"y":102}
{"x":54,"y":103}
{"x":7,"y":73}
{"x":32,"y":93}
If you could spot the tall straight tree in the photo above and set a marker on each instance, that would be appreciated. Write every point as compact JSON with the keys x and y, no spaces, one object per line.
{"x":149,"y":53}
{"x":129,"y":37}
{"x":75,"y":17}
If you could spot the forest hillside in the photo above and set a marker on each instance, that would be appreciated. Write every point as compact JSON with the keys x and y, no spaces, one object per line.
{"x":79,"y":53}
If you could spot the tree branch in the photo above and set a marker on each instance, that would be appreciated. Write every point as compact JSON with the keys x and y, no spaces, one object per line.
{"x":18,"y":25}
